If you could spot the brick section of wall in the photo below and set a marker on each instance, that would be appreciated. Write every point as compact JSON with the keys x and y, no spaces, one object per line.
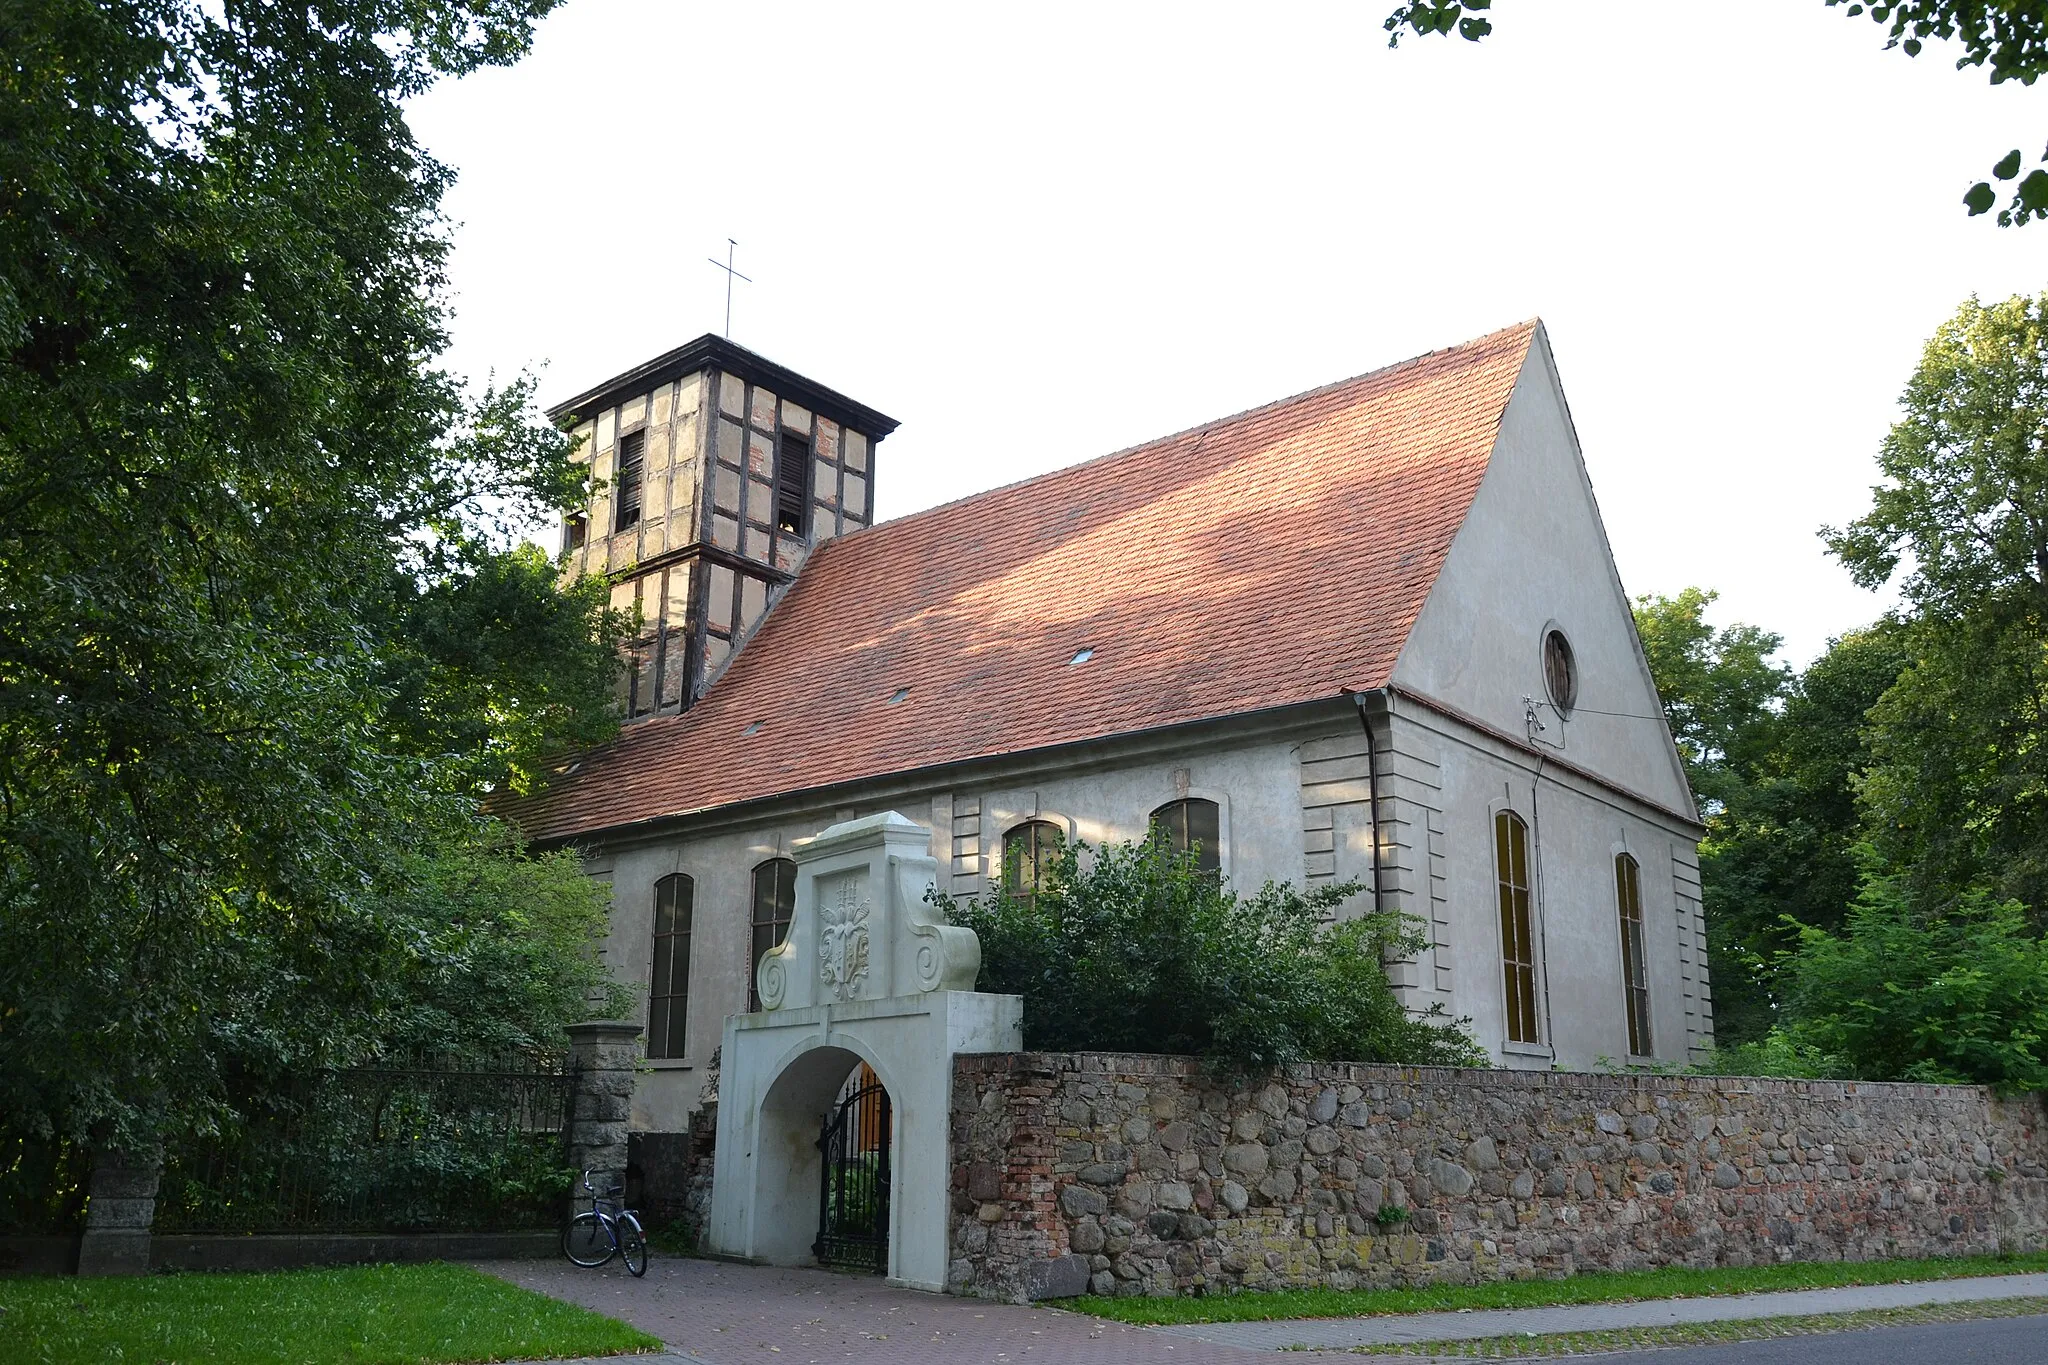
{"x":1154,"y":1177}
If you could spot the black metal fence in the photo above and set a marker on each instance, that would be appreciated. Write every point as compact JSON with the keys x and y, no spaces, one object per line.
{"x":42,"y":1185}
{"x":380,"y":1151}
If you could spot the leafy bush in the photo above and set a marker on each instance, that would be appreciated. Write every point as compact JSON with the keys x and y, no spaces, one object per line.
{"x":1954,"y":995}
{"x":1135,"y":949}
{"x":495,"y":955}
{"x":382,"y":1150}
{"x":1958,"y":994}
{"x":1778,"y":1053}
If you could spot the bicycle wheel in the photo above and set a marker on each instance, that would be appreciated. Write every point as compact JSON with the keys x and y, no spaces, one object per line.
{"x":587,"y":1241}
{"x":632,"y":1244}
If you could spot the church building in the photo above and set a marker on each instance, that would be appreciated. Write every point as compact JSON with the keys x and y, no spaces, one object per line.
{"x":1371,"y":632}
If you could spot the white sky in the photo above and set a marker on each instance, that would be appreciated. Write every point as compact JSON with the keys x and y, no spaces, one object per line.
{"x":1035,"y":234}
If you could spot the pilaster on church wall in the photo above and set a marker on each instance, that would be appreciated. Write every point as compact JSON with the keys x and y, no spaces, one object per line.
{"x":1338,"y":828}
{"x":1692,"y":951}
{"x":1412,"y":824}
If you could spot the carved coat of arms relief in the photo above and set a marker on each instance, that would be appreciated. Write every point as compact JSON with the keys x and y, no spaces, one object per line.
{"x":843,"y":940}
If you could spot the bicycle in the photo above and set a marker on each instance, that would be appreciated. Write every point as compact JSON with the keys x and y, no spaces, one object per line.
{"x":606,"y":1229}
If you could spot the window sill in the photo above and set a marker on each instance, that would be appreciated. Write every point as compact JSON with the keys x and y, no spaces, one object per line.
{"x":1510,"y":1048}
{"x":670,"y":1064}
{"x":1637,"y":1059}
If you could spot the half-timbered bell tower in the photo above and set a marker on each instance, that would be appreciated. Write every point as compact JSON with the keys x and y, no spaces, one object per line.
{"x":714,"y":473}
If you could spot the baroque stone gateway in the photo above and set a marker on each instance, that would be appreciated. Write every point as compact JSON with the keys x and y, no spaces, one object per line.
{"x":1150,"y":1175}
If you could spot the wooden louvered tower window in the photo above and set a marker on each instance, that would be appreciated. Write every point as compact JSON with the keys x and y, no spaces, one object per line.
{"x":626,"y":490}
{"x":1517,"y":936}
{"x":793,"y":484}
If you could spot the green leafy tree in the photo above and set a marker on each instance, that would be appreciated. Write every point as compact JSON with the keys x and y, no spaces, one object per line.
{"x":2009,"y":38}
{"x":1722,"y":696}
{"x":1958,"y":787}
{"x":1956,"y":995}
{"x":1937,"y":971}
{"x":1721,"y":692}
{"x":263,"y":640}
{"x":1783,"y":854}
{"x":476,"y":953}
{"x":1132,"y":947}
{"x":496,"y":666}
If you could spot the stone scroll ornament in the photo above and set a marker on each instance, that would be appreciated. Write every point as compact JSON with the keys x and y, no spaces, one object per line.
{"x":947,"y":957}
{"x":862,"y":929}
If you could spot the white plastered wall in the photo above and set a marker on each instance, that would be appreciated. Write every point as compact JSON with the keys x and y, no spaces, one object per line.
{"x":1532,"y":553}
{"x":1575,"y":830}
{"x":1258,"y":781}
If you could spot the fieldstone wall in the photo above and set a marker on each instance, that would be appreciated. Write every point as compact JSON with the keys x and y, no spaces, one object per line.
{"x":1147,"y":1175}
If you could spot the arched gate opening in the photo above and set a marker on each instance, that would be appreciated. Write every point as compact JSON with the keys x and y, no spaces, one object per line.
{"x":834,"y":1098}
{"x":855,"y":1176}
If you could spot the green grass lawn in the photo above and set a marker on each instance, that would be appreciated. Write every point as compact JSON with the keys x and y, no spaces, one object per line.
{"x":1602,"y":1287}
{"x":364,"y":1315}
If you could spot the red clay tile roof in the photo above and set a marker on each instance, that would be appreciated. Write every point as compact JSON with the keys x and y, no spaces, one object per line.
{"x":1274,"y":557}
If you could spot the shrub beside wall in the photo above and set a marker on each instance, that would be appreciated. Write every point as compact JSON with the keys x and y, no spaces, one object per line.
{"x":1126,"y":1174}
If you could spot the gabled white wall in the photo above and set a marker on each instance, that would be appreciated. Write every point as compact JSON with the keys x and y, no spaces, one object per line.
{"x":1533,"y":551}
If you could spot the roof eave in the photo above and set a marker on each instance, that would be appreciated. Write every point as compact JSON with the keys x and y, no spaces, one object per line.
{"x":1254,"y":722}
{"x":715,"y":352}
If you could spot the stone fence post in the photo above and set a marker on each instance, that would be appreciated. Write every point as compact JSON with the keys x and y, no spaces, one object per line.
{"x":119,"y":1213}
{"x":601,"y":1056}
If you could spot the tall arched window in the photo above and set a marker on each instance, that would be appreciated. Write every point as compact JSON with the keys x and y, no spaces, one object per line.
{"x":1197,"y":824}
{"x":1635,"y":972}
{"x":1029,"y":851}
{"x":774,"y":904}
{"x":668,"y":995}
{"x":1517,"y":939}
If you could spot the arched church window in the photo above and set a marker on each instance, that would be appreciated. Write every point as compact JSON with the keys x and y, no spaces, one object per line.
{"x":1029,"y":851}
{"x":668,"y":994}
{"x":1193,"y":824}
{"x":1517,"y":938}
{"x":774,"y":904}
{"x":1635,"y":972}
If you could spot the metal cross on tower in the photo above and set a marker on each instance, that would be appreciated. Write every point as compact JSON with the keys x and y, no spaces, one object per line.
{"x":730,"y":276}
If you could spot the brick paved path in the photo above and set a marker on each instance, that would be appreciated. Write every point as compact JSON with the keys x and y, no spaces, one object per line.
{"x":745,"y":1315}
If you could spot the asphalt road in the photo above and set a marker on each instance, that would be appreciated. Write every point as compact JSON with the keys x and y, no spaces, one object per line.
{"x":1987,"y":1341}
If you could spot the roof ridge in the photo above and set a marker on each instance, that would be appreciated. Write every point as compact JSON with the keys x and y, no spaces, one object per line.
{"x":1198,"y":429}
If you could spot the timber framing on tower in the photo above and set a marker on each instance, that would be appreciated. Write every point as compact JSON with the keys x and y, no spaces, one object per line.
{"x":714,"y":474}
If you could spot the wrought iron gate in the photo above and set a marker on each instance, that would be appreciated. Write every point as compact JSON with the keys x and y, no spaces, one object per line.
{"x":853,"y":1198}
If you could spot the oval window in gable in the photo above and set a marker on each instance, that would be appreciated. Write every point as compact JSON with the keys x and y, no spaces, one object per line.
{"x":1560,"y":671}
